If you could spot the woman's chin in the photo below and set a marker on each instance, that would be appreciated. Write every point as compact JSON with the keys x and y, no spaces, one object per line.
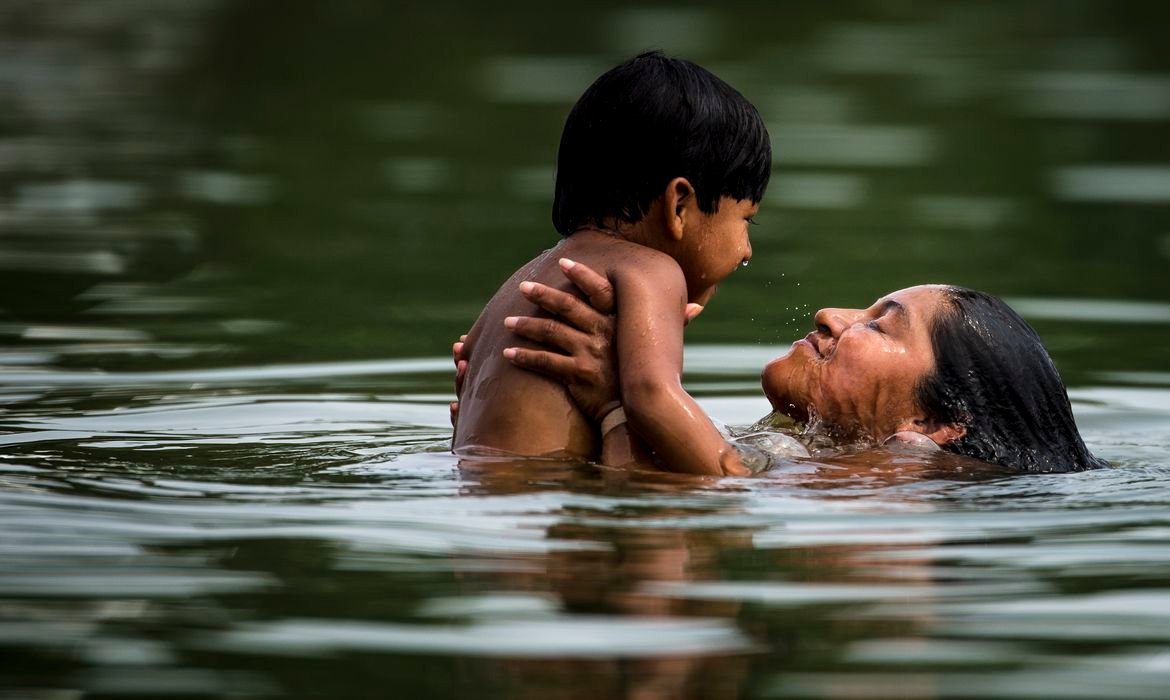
{"x":780,"y":380}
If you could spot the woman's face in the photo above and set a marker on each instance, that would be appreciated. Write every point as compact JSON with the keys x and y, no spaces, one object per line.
{"x":859,"y":369}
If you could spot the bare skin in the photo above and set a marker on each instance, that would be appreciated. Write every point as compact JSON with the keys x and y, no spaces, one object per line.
{"x":584,"y":360}
{"x":858,"y":370}
{"x":674,"y":256}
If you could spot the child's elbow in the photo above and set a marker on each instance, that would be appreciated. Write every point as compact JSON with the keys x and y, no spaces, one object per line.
{"x":645,"y":396}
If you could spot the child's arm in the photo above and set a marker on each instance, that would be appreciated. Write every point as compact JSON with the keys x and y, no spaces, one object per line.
{"x":651,"y":302}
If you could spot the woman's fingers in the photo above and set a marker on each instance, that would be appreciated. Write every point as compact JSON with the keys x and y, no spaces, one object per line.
{"x":460,"y":366}
{"x":595,"y":286}
{"x":547,"y":331}
{"x":565,"y":306}
{"x":559,"y":367}
{"x":460,"y":373}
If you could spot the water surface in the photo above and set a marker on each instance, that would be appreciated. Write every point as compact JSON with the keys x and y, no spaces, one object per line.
{"x":237,"y":240}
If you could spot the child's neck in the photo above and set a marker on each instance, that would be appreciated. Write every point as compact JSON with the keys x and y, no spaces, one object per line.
{"x":640,"y":232}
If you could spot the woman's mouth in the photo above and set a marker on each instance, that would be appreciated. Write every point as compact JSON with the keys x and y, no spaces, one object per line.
{"x":811,"y":341}
{"x":819,"y":345}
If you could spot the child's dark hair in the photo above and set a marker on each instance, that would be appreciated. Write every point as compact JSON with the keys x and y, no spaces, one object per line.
{"x":650,"y":120}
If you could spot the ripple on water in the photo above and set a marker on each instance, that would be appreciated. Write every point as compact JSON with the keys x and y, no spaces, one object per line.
{"x":560,"y":636}
{"x":173,"y":501}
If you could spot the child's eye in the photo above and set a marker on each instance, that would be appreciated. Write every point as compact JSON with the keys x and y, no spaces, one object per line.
{"x":752,"y":221}
{"x":873,"y":325}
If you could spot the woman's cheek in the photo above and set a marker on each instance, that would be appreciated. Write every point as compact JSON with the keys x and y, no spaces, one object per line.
{"x":845,"y":387}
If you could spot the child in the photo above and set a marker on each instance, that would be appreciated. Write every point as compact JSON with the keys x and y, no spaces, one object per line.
{"x":660,"y":170}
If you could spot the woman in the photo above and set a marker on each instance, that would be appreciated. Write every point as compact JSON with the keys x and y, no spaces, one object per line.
{"x":933,"y":365}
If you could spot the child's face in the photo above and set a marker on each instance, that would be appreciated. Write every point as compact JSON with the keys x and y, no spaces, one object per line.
{"x":718,"y":244}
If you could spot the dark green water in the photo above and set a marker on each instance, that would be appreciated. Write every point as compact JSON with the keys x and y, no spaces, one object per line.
{"x":237,"y":240}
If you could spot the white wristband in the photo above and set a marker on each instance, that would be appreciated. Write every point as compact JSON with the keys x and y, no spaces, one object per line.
{"x":612,"y":420}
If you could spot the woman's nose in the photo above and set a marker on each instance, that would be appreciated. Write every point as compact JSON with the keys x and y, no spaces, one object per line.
{"x":833,"y":322}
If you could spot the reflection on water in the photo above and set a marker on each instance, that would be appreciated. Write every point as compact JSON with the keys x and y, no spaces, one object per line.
{"x":237,"y":239}
{"x":225,"y":531}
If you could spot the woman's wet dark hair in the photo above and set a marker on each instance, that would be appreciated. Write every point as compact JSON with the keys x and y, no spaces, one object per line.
{"x":993,"y":376}
{"x":650,"y":120}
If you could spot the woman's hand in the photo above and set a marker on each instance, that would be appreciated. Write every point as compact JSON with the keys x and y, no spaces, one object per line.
{"x":583,"y":332}
{"x":460,"y":372}
{"x":587,"y":365}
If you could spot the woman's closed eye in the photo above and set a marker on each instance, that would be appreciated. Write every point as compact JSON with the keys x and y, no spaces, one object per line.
{"x":873,"y":325}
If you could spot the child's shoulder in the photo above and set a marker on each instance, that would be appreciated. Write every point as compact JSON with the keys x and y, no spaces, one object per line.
{"x":615,"y":253}
{"x":639,"y":261}
{"x":618,"y":257}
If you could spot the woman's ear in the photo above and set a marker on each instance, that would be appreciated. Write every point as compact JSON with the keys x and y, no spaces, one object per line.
{"x":679,"y":206}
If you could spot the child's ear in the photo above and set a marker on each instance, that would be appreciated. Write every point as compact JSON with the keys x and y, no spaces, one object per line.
{"x":678,"y":206}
